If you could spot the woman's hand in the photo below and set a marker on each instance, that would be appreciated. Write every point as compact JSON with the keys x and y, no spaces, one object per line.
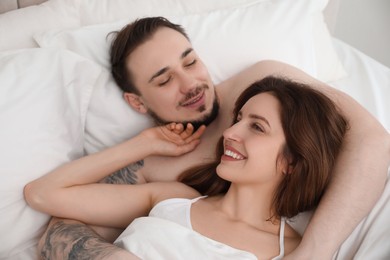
{"x":173,"y":139}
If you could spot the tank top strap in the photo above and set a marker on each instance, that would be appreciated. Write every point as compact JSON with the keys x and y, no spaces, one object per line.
{"x":197,"y":198}
{"x":281,"y":236}
{"x":281,"y":239}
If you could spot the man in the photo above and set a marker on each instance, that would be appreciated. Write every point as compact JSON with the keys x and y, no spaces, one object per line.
{"x":161,"y":75}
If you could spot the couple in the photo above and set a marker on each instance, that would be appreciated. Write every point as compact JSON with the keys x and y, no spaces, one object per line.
{"x":154,"y":63}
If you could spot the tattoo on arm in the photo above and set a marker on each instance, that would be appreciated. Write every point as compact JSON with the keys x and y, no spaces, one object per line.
{"x":74,"y":241}
{"x":125,"y":175}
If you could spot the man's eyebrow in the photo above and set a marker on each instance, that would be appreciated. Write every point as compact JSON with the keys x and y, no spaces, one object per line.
{"x":158,"y":73}
{"x":163,"y":70}
{"x":254,"y":116}
{"x":186,"y":52}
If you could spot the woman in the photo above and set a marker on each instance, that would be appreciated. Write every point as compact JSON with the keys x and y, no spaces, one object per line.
{"x":273,"y":162}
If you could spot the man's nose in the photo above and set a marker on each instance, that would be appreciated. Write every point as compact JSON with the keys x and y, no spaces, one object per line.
{"x":187,"y":82}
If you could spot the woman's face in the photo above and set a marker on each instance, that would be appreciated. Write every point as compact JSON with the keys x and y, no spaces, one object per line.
{"x":253,"y":145}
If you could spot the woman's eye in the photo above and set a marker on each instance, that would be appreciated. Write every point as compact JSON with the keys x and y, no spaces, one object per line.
{"x":257,"y":127}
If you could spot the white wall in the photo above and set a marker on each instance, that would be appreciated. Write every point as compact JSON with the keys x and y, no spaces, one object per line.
{"x":363,"y":24}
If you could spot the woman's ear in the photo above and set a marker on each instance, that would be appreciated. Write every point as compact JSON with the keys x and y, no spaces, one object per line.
{"x":286,"y":166}
{"x":289,"y":169}
{"x":135,"y":102}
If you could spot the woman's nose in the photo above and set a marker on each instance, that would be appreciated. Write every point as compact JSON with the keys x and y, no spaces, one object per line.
{"x":233,"y":133}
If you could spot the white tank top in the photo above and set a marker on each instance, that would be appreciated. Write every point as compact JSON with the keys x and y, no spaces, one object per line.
{"x":167,"y":234}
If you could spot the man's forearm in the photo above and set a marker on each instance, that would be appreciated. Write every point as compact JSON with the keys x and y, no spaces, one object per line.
{"x":350,"y":197}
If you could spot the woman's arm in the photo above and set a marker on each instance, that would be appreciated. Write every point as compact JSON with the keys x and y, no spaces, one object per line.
{"x":61,"y":239}
{"x":71,"y":190}
{"x":70,"y":239}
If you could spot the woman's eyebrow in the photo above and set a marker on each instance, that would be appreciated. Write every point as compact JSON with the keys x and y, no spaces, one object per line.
{"x":254,"y":116}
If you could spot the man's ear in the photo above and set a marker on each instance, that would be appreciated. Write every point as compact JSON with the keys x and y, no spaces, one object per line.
{"x":135,"y":102}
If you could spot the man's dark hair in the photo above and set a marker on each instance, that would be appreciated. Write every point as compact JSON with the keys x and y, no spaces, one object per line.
{"x":127,"y":40}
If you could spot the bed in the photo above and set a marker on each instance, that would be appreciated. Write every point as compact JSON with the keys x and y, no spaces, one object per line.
{"x":59,"y":102}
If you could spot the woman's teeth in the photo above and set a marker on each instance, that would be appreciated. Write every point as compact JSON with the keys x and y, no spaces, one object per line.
{"x":234,"y":155}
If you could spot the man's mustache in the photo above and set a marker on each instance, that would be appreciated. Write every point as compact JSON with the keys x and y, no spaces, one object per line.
{"x":194,"y":92}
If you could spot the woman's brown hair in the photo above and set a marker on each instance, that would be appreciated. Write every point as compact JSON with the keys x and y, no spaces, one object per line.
{"x":314,"y":129}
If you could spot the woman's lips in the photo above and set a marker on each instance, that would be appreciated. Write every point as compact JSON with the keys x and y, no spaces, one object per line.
{"x":231,"y":154}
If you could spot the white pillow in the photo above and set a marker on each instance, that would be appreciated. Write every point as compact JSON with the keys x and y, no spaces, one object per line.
{"x":329,"y":66}
{"x":17,"y":27}
{"x":228,"y":40}
{"x":266,"y":27}
{"x":109,"y":119}
{"x":104,"y":11}
{"x":44,"y":97}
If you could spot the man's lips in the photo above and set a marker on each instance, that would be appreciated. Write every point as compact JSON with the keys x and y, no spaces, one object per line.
{"x":195,"y":101}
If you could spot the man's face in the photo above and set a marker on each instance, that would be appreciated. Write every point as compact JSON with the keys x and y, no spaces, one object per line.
{"x":173,"y":82}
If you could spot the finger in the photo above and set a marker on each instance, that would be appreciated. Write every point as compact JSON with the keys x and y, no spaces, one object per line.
{"x":172,"y":126}
{"x":169,"y":133}
{"x":185,"y":133}
{"x":168,"y":127}
{"x":188,"y":131}
{"x":178,"y":128}
{"x":198,"y":133}
{"x":187,"y":147}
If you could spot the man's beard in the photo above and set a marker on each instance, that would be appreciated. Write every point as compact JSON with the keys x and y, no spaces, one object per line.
{"x":205,"y":120}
